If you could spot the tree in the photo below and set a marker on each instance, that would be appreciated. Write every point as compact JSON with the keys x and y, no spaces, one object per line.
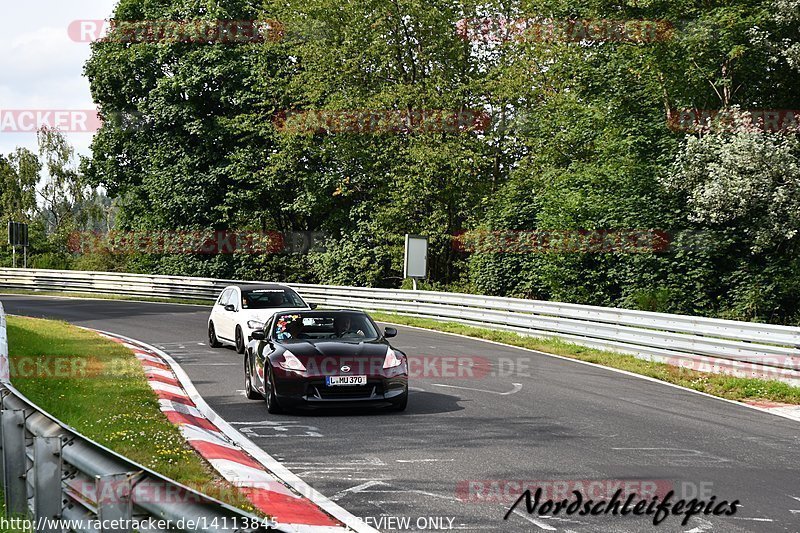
{"x":19,"y":175}
{"x":741,"y":188}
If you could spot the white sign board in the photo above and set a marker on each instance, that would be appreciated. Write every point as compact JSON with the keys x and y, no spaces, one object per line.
{"x":416,"y":261}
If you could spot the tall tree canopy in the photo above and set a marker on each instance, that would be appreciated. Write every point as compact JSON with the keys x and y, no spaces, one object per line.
{"x":579,"y":139}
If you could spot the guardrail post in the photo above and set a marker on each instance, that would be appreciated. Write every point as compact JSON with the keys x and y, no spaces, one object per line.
{"x":114,"y":506}
{"x":2,"y":469}
{"x":47,"y":473}
{"x":14,"y":462}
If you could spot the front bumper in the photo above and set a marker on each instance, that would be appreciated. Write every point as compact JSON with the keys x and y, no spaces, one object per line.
{"x":312,"y":391}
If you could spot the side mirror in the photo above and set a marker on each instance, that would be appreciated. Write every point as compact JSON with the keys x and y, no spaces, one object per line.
{"x":230,"y":307}
{"x":389,"y":333}
{"x":312,"y":306}
{"x":258,"y":335}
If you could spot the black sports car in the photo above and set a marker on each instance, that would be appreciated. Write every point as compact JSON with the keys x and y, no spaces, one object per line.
{"x":325,"y":359}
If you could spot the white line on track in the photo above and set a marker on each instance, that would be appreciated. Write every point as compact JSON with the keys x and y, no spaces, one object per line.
{"x":534,"y":521}
{"x":354,"y":490}
{"x":704,"y":526}
{"x":422,"y":460}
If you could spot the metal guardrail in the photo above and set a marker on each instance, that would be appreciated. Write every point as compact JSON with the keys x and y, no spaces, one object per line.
{"x":656,"y":336}
{"x":62,"y":480}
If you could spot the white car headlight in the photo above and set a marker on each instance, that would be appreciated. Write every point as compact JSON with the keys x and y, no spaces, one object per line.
{"x":291,"y":362}
{"x":391,"y":360}
{"x":255,"y":324}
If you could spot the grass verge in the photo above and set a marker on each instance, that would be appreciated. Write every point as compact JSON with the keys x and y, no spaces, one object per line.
{"x":728,"y":387}
{"x":98,"y":387}
{"x":13,"y":524}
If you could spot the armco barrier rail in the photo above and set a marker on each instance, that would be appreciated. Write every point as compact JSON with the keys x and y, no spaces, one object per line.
{"x":49,"y":472}
{"x":743,"y":348}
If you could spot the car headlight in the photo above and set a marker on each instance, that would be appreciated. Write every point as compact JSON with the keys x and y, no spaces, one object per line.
{"x":255,"y":324}
{"x":290,"y":362}
{"x":391,"y":360}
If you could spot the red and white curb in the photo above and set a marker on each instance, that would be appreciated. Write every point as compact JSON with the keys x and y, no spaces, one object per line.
{"x":269,"y":485}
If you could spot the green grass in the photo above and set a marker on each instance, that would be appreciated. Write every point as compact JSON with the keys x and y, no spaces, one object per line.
{"x":98,"y":387}
{"x":106,"y":296}
{"x":8,"y":526}
{"x":731,"y":388}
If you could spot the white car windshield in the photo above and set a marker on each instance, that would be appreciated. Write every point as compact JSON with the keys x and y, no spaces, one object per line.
{"x":270,"y":298}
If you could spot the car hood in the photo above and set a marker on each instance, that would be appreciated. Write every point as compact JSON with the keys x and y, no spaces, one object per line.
{"x":336,"y":348}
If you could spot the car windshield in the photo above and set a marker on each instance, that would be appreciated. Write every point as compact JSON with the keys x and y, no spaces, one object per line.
{"x":324,"y":326}
{"x":270,"y":298}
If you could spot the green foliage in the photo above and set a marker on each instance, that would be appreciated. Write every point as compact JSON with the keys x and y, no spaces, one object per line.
{"x":579,"y":140}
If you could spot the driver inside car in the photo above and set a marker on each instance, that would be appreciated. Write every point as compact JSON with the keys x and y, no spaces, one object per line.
{"x":343,"y":327}
{"x":295,"y":330}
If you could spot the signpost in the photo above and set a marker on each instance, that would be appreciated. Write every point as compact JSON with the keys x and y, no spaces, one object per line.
{"x":415,"y":265}
{"x":18,"y":236}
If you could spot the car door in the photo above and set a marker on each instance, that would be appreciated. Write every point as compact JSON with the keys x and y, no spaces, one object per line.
{"x":224,"y":320}
{"x":263,"y":352}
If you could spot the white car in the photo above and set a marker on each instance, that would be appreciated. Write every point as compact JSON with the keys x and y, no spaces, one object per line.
{"x":241,"y":309}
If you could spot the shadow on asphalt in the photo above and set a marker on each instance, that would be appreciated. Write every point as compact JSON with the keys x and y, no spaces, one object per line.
{"x":419,"y":403}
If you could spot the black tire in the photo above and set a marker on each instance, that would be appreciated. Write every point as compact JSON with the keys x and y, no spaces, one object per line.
{"x":273,"y":407}
{"x":401,"y":405}
{"x":249,"y":391}
{"x":213,"y":341}
{"x":239,"y":340}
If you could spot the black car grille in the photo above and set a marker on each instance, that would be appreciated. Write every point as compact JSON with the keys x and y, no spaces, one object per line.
{"x":351,"y":392}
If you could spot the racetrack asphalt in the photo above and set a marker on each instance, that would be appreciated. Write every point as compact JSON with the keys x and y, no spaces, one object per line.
{"x":517,"y":416}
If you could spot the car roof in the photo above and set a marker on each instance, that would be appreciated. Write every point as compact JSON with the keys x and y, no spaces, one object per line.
{"x":320,"y":311}
{"x":262,"y":286}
